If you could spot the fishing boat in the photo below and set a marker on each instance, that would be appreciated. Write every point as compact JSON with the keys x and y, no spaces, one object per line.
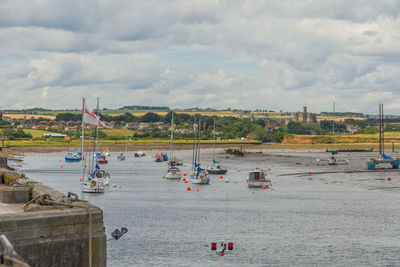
{"x":374,"y":162}
{"x":198,"y":174}
{"x":173,"y":171}
{"x":334,"y":159}
{"x":216,"y":167}
{"x":258,"y":179}
{"x":90,"y":183}
{"x":73,"y":157}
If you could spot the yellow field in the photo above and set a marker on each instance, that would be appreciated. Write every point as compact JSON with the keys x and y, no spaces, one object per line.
{"x":28,"y":116}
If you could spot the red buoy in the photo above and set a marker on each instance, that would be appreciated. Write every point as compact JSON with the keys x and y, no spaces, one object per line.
{"x":197,"y":190}
{"x":62,"y":166}
{"x":184,"y":174}
{"x":80,"y":180}
{"x":220,"y":177}
{"x":309,"y":172}
{"x":179,"y":180}
{"x":188,"y":188}
{"x":119,"y":187}
{"x":264,"y":187}
{"x":186,"y":181}
{"x":389,"y":178}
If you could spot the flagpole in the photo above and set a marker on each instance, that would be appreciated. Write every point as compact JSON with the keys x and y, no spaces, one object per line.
{"x":83,"y":158}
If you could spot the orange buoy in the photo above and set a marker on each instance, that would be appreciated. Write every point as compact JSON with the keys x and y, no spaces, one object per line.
{"x":197,"y":190}
{"x":264,"y":187}
{"x":309,"y":172}
{"x":389,"y":178}
{"x":188,"y":188}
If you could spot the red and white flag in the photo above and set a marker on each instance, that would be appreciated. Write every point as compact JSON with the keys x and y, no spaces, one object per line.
{"x":89,"y":116}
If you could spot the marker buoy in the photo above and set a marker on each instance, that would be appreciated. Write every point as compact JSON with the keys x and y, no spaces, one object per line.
{"x":80,"y":180}
{"x":235,"y":182}
{"x":309,"y":172}
{"x":114,"y":185}
{"x":197,"y":190}
{"x":264,"y":187}
{"x":179,"y":180}
{"x":188,"y":188}
{"x":184,"y":174}
{"x":220,"y":177}
{"x":389,"y":178}
{"x":85,"y":166}
{"x":186,"y":181}
{"x":62,"y":166}
{"x":119,"y":187}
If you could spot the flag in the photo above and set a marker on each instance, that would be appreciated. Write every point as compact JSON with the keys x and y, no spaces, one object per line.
{"x":89,"y":116}
{"x":102,"y":123}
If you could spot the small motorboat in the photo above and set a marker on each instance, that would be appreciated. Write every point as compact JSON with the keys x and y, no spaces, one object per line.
{"x":173,"y":173}
{"x":258,"y":179}
{"x":216,"y":168}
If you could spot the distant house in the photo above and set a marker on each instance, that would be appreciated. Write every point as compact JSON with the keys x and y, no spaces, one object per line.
{"x":143,"y":126}
{"x":54,"y":135}
{"x":71,"y":128}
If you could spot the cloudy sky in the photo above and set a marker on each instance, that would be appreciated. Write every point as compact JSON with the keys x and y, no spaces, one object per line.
{"x":249,"y":54}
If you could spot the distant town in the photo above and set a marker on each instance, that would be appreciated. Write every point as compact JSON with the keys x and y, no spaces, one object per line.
{"x":154,"y":122}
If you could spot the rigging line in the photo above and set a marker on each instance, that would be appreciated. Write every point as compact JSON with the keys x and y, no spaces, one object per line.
{"x":226,"y":215}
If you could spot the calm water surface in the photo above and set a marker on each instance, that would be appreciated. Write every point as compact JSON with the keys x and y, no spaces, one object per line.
{"x":342,"y":219}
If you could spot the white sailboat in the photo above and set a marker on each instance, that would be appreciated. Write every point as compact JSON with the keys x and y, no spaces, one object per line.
{"x":89,"y":184}
{"x":198,"y":175}
{"x":121,"y":156}
{"x":173,"y":171}
{"x":216,"y":167}
{"x":334,"y":159}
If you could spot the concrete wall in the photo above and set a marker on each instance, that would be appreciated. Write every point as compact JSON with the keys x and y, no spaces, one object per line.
{"x":57,"y":237}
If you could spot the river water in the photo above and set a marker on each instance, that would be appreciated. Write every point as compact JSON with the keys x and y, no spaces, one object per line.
{"x":337,"y":218}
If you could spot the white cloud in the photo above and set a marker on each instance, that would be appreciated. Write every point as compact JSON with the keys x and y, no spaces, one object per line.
{"x":240,"y":54}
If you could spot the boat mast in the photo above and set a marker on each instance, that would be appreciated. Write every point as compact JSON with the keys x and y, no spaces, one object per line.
{"x":83,"y":158}
{"x":214,"y":141}
{"x":194,"y":143}
{"x":198,"y":142}
{"x":97,"y":125}
{"x":380,"y":129}
{"x":171,"y":146}
{"x":383,"y":131}
{"x":333,"y":127}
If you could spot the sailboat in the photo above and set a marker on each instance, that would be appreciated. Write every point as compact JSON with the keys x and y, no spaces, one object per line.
{"x":89,"y":184}
{"x":198,"y":175}
{"x":216,"y":167}
{"x":333,"y":160}
{"x":373,"y":162}
{"x":173,"y":171}
{"x":122,"y":156}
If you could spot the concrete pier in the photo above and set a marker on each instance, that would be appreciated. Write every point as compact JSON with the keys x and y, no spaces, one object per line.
{"x":55,"y":234}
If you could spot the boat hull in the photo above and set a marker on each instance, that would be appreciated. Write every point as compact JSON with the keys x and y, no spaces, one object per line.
{"x":217,"y":171}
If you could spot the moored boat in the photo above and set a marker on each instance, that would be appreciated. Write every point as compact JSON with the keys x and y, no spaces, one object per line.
{"x":73,"y":157}
{"x":258,"y":179}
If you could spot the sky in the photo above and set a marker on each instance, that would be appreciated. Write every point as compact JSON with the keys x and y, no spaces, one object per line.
{"x":240,"y":54}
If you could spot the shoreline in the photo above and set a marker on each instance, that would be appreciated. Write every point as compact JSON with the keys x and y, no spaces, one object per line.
{"x":18,"y":150}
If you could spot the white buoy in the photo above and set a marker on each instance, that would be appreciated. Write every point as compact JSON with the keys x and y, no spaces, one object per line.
{"x":226,"y":180}
{"x":114,"y":185}
{"x":239,"y":170}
